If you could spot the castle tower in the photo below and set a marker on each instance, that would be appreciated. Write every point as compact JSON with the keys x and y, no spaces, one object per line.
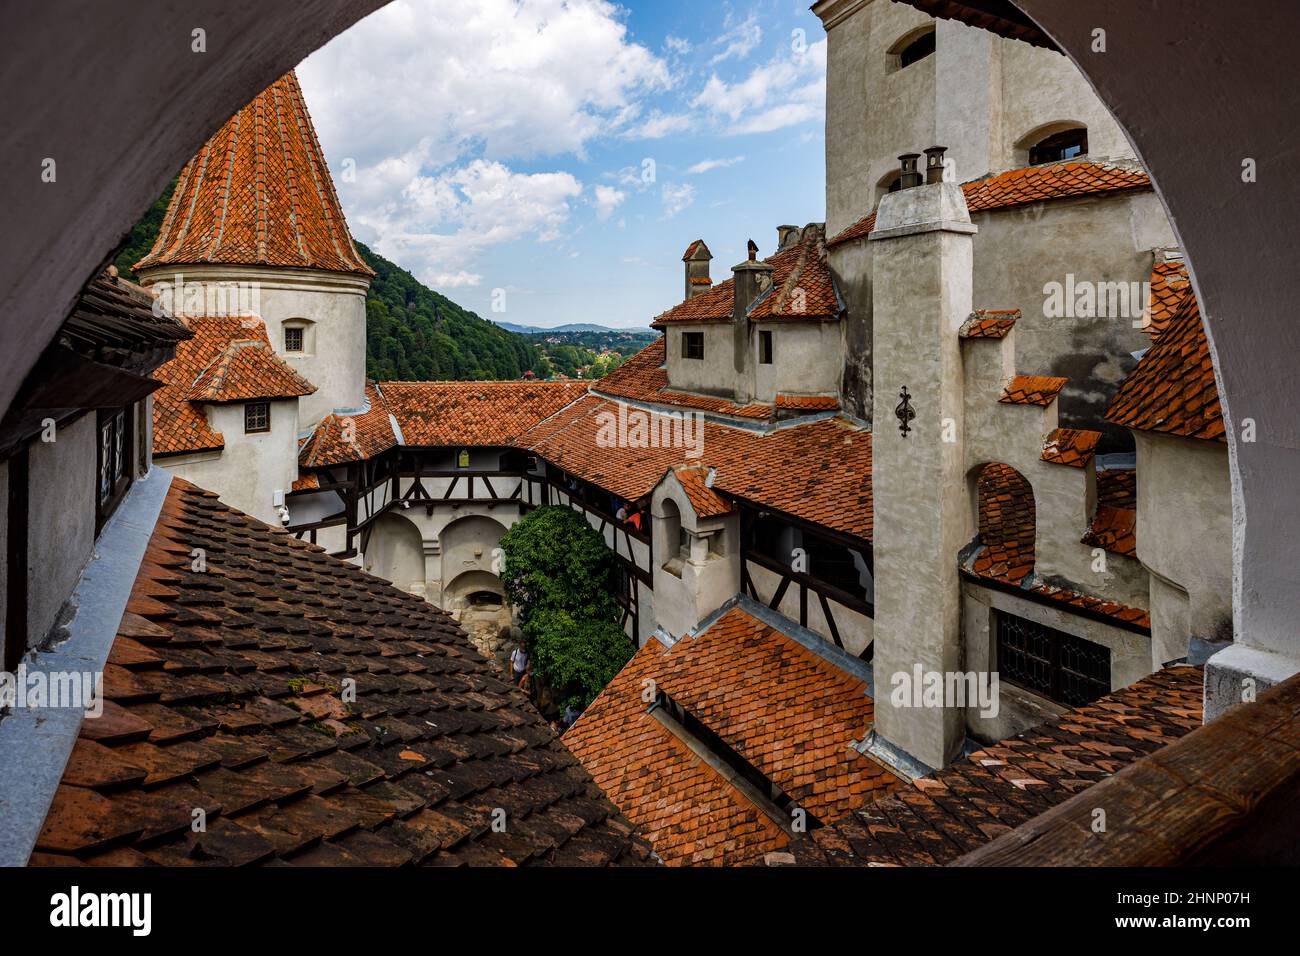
{"x":922,"y":281}
{"x":254,"y":227}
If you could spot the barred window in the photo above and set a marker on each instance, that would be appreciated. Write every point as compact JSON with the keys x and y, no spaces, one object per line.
{"x":293,"y":340}
{"x":1046,"y":661}
{"x":257,"y":417}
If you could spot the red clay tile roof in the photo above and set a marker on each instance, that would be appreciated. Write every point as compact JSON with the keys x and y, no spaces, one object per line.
{"x":247,"y":370}
{"x":695,"y":481}
{"x":954,"y":811}
{"x":1070,"y":446}
{"x":802,"y":288}
{"x":643,"y":378}
{"x":1032,"y":390}
{"x":785,"y":710}
{"x":339,"y":439}
{"x":474,"y":413}
{"x":818,"y":471}
{"x":1170,"y":285}
{"x":259,"y":193}
{"x":808,"y":403}
{"x":1006,"y":524}
{"x":989,"y":323}
{"x":1114,"y":529}
{"x":701,"y":280}
{"x":222,"y":693}
{"x":1005,"y":552}
{"x":1029,"y":184}
{"x":1172,"y":389}
{"x":1117,"y":488}
{"x":306,"y":481}
{"x":207,"y":363}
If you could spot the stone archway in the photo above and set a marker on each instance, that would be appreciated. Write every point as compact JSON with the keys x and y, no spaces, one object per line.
{"x":395,"y":552}
{"x":1238,"y":236}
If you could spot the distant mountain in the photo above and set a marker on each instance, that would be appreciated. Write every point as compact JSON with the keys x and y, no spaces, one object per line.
{"x":571,"y":327}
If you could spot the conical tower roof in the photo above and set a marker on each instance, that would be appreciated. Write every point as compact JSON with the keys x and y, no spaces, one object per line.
{"x":259,"y":193}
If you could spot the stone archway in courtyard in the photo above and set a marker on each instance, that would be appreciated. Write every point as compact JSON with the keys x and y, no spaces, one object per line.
{"x":1237,"y":234}
{"x":395,"y":552}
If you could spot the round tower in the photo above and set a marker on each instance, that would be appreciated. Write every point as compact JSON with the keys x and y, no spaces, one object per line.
{"x":254,"y":228}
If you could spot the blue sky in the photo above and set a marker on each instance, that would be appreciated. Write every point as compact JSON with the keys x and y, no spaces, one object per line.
{"x":567,"y":151}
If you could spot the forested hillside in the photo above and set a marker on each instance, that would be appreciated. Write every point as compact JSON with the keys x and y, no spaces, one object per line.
{"x":412,"y":332}
{"x":416,"y":334}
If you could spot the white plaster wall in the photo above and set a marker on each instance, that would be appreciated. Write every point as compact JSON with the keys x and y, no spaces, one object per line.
{"x":1064,"y":497}
{"x":688,"y":590}
{"x":806,"y":359}
{"x":715,"y":374}
{"x":335,"y":304}
{"x":251,"y":467}
{"x":395,"y":553}
{"x":922,"y":283}
{"x":1041,"y":87}
{"x":1098,"y":239}
{"x":1130,"y":655}
{"x":61,"y":522}
{"x":1184,"y":531}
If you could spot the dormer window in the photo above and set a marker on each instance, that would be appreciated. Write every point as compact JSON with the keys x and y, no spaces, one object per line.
{"x":1067,"y":144}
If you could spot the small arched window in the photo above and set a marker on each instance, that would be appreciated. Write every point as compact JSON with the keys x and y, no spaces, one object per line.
{"x":891,"y":182}
{"x":914,"y":46}
{"x":1065,"y":144}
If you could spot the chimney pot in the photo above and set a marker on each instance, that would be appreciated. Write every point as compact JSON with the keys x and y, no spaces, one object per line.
{"x":934,"y":164}
{"x":753,"y":251}
{"x":909,"y":176}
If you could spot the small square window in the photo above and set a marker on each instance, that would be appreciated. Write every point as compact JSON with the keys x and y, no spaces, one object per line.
{"x":765,"y":348}
{"x":257,"y":417}
{"x":693,"y":345}
{"x":293,"y":340}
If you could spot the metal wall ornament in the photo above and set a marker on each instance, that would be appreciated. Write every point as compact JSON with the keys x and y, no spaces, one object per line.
{"x":904,"y":411}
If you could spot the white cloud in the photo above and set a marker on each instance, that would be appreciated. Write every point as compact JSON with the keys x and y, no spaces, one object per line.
{"x":433,"y":80}
{"x":439,"y":226}
{"x":677,"y":197}
{"x":678,"y":45}
{"x":738,"y":40}
{"x":432,"y":99}
{"x":607,"y":200}
{"x":705,"y":165}
{"x":658,"y":125}
{"x":783,"y":92}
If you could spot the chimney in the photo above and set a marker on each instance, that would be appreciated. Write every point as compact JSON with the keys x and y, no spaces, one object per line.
{"x":752,"y":279}
{"x":787,"y":236}
{"x":934,"y":164}
{"x":697,"y":258}
{"x":909,"y":177}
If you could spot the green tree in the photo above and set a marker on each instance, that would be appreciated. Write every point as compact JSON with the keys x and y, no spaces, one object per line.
{"x":560,"y":575}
